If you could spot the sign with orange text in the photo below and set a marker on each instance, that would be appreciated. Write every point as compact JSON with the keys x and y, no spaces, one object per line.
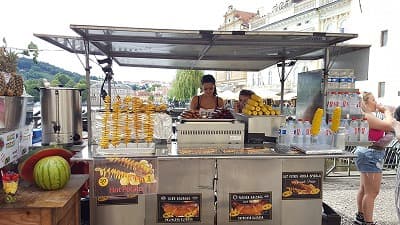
{"x":125,"y":176}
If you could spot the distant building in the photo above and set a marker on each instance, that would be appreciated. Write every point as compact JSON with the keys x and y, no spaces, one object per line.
{"x":234,"y":20}
{"x":373,"y":21}
{"x":161,"y":94}
{"x":142,"y":94}
{"x":121,"y":90}
{"x":305,"y":16}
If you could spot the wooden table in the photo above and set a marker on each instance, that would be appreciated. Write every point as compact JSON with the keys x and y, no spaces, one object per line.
{"x":35,"y":206}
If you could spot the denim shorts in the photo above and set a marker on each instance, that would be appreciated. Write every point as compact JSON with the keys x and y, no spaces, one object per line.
{"x":369,"y":160}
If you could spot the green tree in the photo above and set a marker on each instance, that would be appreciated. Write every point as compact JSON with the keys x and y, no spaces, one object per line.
{"x":82,"y":86}
{"x":62,"y":79}
{"x":185,"y":85}
{"x":70,"y":83}
{"x":31,"y":88}
{"x":55,"y":83}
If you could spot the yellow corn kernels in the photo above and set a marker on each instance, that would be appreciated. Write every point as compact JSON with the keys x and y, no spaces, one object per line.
{"x":316,"y":122}
{"x":252,"y":102}
{"x":337,"y":113}
{"x":256,"y":98}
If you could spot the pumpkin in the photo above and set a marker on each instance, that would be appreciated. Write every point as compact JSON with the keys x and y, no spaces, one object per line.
{"x":52,"y":173}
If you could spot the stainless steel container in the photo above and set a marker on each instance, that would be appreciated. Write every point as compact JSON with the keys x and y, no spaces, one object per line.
{"x":61,"y":115}
{"x":260,"y":128}
{"x":13,"y":112}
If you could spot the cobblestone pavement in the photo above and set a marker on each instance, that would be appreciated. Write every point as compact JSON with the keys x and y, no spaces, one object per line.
{"x":340,"y":194}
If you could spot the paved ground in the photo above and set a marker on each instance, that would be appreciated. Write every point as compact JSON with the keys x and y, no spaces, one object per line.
{"x":340,"y":194}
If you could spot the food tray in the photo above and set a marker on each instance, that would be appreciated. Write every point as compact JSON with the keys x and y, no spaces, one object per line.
{"x":207,"y":120}
{"x":132,"y":149}
{"x":251,"y":116}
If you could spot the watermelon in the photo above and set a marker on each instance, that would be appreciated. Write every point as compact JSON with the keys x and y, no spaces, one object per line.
{"x":25,"y":168}
{"x":52,"y":173}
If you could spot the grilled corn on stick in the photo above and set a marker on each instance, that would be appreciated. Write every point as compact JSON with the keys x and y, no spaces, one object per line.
{"x":337,"y":113}
{"x":316,"y":122}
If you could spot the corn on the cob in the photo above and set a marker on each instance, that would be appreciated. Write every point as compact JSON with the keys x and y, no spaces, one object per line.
{"x":316,"y":122}
{"x":252,"y":102}
{"x":250,"y":107}
{"x":246,"y":111}
{"x":256,"y":98}
{"x":259,"y":110}
{"x":337,"y":113}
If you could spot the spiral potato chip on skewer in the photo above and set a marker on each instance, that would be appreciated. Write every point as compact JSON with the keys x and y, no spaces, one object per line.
{"x":148,"y":125}
{"x":115,"y":117}
{"x":105,"y":134}
{"x":127,"y":124}
{"x":137,"y":122}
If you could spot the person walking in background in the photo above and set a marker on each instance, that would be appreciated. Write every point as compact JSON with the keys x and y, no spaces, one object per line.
{"x":369,"y":160}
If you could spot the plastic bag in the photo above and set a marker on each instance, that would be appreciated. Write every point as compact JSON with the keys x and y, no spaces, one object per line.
{"x":385,"y":140}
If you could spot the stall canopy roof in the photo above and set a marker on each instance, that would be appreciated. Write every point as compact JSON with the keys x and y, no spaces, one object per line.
{"x":199,"y":49}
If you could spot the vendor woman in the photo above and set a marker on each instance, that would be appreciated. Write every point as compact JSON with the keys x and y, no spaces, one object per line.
{"x":208,"y":100}
{"x":244,"y":95}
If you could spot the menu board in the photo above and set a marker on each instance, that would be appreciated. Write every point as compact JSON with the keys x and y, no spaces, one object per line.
{"x":301,"y":185}
{"x":253,"y":206}
{"x":125,"y":176}
{"x":178,"y":208}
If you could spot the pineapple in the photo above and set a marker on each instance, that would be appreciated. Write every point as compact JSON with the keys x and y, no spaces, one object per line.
{"x":15,"y":86}
{"x":8,"y":60}
{"x":8,"y":65}
{"x":2,"y":84}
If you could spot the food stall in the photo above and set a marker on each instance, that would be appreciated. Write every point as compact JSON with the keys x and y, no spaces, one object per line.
{"x":209,"y":175}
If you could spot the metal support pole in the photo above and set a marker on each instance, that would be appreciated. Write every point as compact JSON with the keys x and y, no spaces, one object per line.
{"x":88,"y":100}
{"x":325,"y":80}
{"x":282,"y":84}
{"x":109,"y":86}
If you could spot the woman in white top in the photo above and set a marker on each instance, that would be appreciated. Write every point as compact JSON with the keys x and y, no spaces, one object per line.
{"x":208,"y":100}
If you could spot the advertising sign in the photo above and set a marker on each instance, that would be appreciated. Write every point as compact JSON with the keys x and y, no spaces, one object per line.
{"x":301,"y":185}
{"x":178,"y":208}
{"x":253,"y":206}
{"x":125,"y":176}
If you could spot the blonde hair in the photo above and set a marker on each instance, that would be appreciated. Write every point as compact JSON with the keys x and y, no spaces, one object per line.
{"x":365,"y":97}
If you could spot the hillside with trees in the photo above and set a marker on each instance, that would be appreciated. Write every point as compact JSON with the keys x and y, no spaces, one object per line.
{"x":34,"y":73}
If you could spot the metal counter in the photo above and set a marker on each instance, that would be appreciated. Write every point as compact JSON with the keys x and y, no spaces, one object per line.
{"x":217,"y":178}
